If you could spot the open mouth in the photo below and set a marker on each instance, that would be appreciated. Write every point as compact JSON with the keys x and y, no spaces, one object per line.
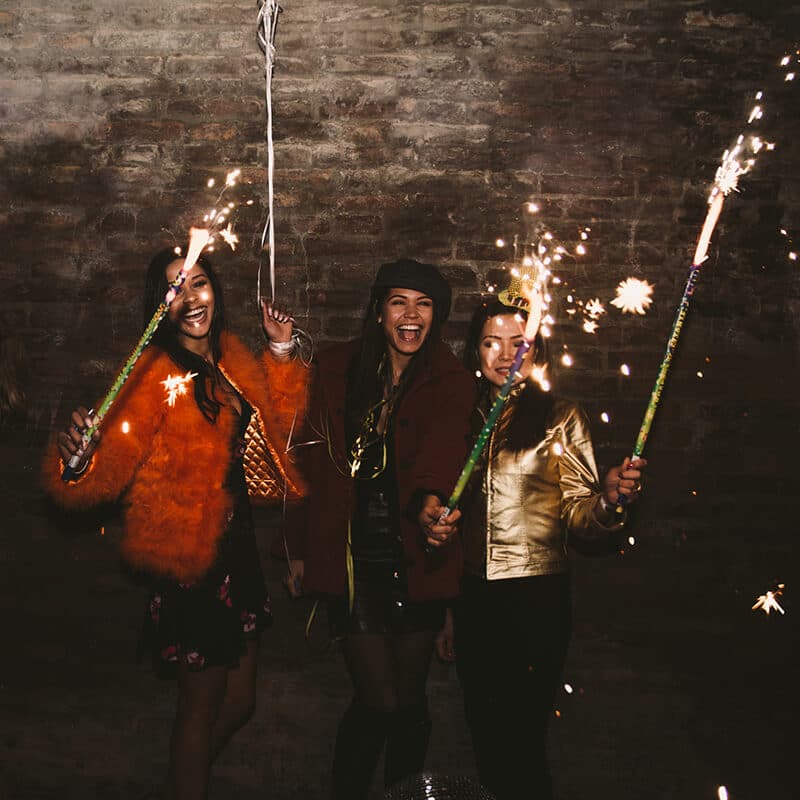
{"x":409,"y":334}
{"x":195,"y":318}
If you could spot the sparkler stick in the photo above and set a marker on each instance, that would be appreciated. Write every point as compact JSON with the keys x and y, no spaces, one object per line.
{"x":199,"y":238}
{"x":725,"y":181}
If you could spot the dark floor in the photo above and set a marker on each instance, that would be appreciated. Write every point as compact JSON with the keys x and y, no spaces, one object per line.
{"x":679,"y":686}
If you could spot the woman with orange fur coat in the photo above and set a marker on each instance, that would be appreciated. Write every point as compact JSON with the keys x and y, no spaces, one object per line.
{"x":197,"y":407}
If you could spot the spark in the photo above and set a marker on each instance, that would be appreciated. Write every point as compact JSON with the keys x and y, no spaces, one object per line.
{"x":566,"y":360}
{"x":625,"y":370}
{"x":125,"y":427}
{"x":792,"y":256}
{"x":633,"y":296}
{"x":590,"y":326}
{"x":605,"y":417}
{"x":722,"y":793}
{"x":568,"y":689}
{"x":767,"y":602}
{"x":500,"y":243}
{"x":631,"y":541}
{"x":594,"y":308}
{"x":558,"y":449}
{"x":532,"y":208}
{"x":229,"y":237}
{"x":699,"y":373}
{"x":176,"y":386}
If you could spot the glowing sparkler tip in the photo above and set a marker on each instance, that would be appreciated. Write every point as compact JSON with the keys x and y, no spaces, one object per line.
{"x":722,"y":793}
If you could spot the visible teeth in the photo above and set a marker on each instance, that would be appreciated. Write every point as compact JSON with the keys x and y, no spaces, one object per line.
{"x":193,"y":314}
{"x":410,"y":328}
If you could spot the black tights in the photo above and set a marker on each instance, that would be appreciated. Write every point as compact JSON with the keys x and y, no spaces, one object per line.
{"x":511,"y":638}
{"x":389,"y":674}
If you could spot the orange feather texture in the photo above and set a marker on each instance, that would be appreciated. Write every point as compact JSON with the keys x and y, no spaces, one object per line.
{"x":168,"y":465}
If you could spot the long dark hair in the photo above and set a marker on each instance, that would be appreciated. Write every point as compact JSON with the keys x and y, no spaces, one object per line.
{"x":166,"y":337}
{"x":525,"y":426}
{"x":367,"y":371}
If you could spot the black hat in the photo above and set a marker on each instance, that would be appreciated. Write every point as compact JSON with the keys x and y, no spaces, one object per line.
{"x":410,"y":274}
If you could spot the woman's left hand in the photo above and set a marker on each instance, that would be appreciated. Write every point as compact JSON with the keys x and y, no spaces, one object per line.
{"x":625,"y":479}
{"x":437,"y":531}
{"x":276,"y":322}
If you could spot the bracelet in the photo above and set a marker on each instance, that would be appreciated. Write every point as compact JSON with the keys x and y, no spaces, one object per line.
{"x":282,"y":348}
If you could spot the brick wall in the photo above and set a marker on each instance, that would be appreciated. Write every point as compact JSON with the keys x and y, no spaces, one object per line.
{"x":421,"y":129}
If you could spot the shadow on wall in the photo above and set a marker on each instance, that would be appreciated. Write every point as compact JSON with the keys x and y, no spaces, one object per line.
{"x":14,"y":378}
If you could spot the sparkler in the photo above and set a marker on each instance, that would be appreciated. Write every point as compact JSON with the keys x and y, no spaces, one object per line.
{"x":267,"y":25}
{"x":735,"y":162}
{"x":199,"y":238}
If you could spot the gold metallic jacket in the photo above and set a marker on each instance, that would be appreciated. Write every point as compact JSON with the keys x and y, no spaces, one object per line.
{"x":537,"y":498}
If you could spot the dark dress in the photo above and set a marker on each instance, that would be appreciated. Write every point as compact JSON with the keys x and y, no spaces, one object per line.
{"x":207,"y":623}
{"x":380,"y":582}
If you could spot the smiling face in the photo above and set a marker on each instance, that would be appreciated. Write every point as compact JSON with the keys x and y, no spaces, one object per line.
{"x":406,"y":317}
{"x":500,"y":337}
{"x":192,"y":310}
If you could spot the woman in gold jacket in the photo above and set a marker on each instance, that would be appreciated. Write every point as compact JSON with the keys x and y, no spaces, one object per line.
{"x":537,"y":487}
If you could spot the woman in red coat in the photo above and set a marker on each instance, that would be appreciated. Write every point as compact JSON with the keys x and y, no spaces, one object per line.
{"x":385,"y":440}
{"x":196,"y":407}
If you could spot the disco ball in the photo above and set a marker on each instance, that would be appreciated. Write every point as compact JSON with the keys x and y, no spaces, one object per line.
{"x":437,"y":787}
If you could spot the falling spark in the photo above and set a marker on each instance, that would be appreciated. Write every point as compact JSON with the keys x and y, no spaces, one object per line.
{"x":590,"y":326}
{"x":633,"y":296}
{"x":767,"y":602}
{"x":125,"y":427}
{"x":567,"y":688}
{"x":500,"y":242}
{"x":566,"y":360}
{"x":699,"y":373}
{"x":604,"y":417}
{"x":176,"y":386}
{"x":594,"y":308}
{"x":625,"y":370}
{"x":229,"y":237}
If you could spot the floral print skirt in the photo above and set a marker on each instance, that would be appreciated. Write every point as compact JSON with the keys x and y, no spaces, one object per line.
{"x":207,"y":623}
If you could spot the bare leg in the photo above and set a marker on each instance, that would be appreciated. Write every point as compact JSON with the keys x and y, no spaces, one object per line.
{"x":240,"y":699}
{"x":200,"y":696}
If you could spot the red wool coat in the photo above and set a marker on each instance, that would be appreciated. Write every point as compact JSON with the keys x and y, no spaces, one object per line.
{"x":169,"y":464}
{"x":430,"y":440}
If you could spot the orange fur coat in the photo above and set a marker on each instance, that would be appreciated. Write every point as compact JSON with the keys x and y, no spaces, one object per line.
{"x":169,"y":464}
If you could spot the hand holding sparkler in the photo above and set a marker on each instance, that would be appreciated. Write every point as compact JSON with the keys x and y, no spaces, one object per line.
{"x":623,"y":481}
{"x":71,"y":443}
{"x":437,"y":522}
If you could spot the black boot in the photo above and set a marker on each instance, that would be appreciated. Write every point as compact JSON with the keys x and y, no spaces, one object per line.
{"x":407,"y":742}
{"x":359,"y":742}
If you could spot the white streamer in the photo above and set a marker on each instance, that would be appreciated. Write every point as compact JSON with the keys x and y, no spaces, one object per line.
{"x":267,"y":24}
